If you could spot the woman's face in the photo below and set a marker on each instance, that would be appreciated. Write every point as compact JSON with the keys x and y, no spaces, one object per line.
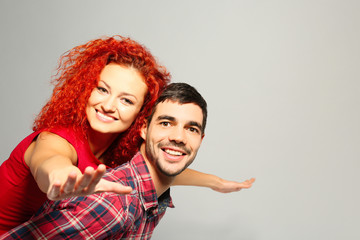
{"x":115,"y":103}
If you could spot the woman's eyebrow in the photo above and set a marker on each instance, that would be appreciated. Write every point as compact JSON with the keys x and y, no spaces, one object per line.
{"x":122,"y":93}
{"x":107,"y":85}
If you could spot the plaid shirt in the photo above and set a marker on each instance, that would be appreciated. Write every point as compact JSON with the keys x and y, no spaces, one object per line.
{"x":104,"y":215}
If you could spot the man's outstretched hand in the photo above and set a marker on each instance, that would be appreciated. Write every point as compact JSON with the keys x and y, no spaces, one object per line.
{"x":231,"y":186}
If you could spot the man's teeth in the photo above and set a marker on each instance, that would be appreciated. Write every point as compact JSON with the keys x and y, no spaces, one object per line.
{"x":172,"y":152}
{"x":104,"y":116}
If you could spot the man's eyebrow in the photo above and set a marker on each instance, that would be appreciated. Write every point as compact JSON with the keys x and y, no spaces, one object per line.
{"x":166,"y":117}
{"x":195,"y":124}
{"x":170,"y":118}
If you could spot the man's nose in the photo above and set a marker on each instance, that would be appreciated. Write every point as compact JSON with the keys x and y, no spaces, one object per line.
{"x":178,"y":135}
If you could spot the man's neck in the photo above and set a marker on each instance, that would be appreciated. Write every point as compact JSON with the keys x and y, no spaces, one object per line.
{"x":161,"y":182}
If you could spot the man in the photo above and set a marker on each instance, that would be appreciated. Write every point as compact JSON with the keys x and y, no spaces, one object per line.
{"x":172,"y":136}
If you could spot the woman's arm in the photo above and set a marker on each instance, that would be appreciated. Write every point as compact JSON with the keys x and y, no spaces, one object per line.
{"x":190,"y":177}
{"x":52,"y":161}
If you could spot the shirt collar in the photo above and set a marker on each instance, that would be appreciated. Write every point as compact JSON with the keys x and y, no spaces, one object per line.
{"x":147,"y":191}
{"x":146,"y":186}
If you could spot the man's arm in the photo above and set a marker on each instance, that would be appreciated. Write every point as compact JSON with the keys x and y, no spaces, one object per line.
{"x":96,"y":216}
{"x":190,"y":177}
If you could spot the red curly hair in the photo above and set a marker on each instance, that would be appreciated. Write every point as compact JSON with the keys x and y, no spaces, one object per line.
{"x":78,"y":74}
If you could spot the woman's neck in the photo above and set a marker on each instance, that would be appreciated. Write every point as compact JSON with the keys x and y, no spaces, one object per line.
{"x":100,"y":142}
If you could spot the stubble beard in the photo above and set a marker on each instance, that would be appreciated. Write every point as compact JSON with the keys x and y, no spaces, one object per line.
{"x":150,"y":154}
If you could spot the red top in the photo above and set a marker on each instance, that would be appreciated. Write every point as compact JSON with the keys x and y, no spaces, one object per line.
{"x":20,"y":197}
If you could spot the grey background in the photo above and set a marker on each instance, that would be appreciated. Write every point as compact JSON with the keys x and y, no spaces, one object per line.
{"x":282,"y":82}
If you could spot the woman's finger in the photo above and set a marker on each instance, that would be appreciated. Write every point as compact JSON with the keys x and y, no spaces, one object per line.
{"x":99,"y":172}
{"x":107,"y":186}
{"x":85,"y":180}
{"x":54,"y":192}
{"x":70,"y":183}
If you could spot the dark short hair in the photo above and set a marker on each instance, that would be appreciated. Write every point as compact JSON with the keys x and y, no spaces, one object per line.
{"x":182,"y":93}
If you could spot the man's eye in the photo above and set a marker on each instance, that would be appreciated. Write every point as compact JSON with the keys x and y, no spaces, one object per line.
{"x":165,"y":124}
{"x":195,"y":130}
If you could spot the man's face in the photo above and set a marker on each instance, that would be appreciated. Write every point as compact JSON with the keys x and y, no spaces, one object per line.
{"x":173,"y":137}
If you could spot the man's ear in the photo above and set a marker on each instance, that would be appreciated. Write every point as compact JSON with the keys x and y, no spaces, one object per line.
{"x":143,"y":131}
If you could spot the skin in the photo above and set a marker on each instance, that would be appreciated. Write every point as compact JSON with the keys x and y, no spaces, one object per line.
{"x":114,"y":105}
{"x":111,"y":109}
{"x":191,"y":177}
{"x":172,"y":140}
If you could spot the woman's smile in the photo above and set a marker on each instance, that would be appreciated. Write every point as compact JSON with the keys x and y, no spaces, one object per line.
{"x":113,"y":106}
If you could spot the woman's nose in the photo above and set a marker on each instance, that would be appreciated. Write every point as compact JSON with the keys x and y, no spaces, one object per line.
{"x":109,"y":104}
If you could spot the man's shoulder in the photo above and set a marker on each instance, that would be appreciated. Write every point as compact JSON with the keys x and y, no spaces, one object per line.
{"x":129,"y":171}
{"x":119,"y":174}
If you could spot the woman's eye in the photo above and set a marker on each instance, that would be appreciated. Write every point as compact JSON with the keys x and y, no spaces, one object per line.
{"x":127,"y":101}
{"x":102,"y":90}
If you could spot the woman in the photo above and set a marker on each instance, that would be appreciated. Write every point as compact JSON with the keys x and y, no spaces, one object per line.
{"x":104,"y":90}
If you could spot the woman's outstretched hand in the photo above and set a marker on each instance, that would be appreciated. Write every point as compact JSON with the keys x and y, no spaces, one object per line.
{"x":226,"y":186}
{"x":89,"y":182}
